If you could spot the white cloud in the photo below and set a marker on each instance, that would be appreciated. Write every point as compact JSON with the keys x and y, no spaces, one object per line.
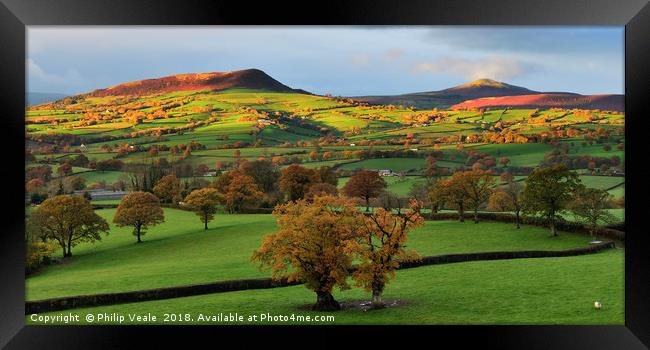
{"x":493,"y":67}
{"x":37,"y":75}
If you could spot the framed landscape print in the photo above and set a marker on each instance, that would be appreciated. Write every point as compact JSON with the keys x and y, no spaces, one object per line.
{"x":450,"y":169}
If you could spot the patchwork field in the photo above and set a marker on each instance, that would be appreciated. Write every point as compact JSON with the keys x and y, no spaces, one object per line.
{"x":113,"y":139}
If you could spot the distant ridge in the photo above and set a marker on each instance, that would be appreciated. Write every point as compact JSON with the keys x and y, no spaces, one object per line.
{"x":491,"y":93}
{"x":548,"y":100}
{"x":451,"y":96}
{"x":247,"y":78}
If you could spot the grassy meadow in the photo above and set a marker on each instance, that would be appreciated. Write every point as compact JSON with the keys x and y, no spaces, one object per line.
{"x":501,"y":292}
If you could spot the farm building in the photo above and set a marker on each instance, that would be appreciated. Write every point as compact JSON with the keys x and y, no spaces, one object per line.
{"x":102,"y":194}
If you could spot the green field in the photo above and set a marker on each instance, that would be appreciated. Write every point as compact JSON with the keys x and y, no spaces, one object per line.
{"x":486,"y":292}
{"x":394,"y":164}
{"x":223,"y":252}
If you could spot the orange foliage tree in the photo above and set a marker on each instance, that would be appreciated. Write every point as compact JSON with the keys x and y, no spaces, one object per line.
{"x":477,"y":185}
{"x":140,"y":210}
{"x":204,"y":203}
{"x":167,"y":188}
{"x":68,"y":220}
{"x":383,"y":240}
{"x":365,"y":184}
{"x":296,"y":180}
{"x":314,"y":244}
{"x":241,"y":190}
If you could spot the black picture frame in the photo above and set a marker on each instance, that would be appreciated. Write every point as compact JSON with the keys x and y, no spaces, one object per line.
{"x":15,"y":15}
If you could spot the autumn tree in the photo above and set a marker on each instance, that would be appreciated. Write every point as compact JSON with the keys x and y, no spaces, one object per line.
{"x":188,"y":152}
{"x":478,"y":185}
{"x":296,"y":180}
{"x":590,"y":206}
{"x":548,"y":192}
{"x":240,"y":191}
{"x":168,"y":188}
{"x":314,"y":244}
{"x":321,"y":189}
{"x":365,"y":184}
{"x":37,"y":247}
{"x":328,"y":175}
{"x":68,"y":220}
{"x":264,"y":173}
{"x":508,"y":198}
{"x":64,"y":169}
{"x":201,"y":170}
{"x":433,"y":171}
{"x":437,"y":195}
{"x":140,"y":210}
{"x":420,"y":192}
{"x":204,"y":203}
{"x":383,"y":246}
{"x":506,"y":177}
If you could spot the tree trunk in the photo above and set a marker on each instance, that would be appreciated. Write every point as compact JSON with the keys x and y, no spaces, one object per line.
{"x":205,"y":221}
{"x":552,"y":224}
{"x":138,"y":232}
{"x":476,"y":215}
{"x":376,"y":297}
{"x":325,"y":302}
{"x":69,"y":253}
{"x":461,"y":213}
{"x":367,"y":204}
{"x":517,"y":220}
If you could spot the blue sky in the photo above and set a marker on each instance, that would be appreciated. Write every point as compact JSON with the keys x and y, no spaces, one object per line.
{"x":341,"y":60}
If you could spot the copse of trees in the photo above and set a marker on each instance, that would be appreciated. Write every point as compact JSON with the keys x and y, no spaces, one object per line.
{"x":296,"y":180}
{"x":68,"y":220}
{"x":463,"y":190}
{"x":549,"y":191}
{"x":265,"y":174}
{"x":139,"y":210}
{"x":365,"y":184}
{"x":240,"y":192}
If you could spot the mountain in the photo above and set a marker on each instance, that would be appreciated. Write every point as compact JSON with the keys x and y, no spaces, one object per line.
{"x":36,"y":98}
{"x":451,"y":96}
{"x":548,"y":100}
{"x":247,"y":78}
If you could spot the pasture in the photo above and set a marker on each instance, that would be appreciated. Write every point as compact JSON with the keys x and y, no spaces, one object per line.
{"x":483,"y":292}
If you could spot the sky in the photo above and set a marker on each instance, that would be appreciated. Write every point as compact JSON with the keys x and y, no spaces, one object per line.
{"x":339,"y":60}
